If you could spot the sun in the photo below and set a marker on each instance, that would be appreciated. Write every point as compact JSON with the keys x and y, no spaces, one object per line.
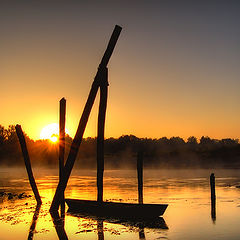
{"x":50,"y":132}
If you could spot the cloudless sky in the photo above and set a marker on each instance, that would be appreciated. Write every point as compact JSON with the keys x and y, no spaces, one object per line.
{"x":174,"y":72}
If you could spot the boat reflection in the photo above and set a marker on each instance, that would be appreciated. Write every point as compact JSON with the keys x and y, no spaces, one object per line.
{"x":34,"y":222}
{"x":154,"y":223}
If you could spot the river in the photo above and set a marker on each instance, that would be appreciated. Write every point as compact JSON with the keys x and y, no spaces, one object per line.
{"x":187,"y":192}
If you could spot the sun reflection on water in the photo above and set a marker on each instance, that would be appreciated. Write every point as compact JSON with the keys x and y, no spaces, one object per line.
{"x":188,"y":199}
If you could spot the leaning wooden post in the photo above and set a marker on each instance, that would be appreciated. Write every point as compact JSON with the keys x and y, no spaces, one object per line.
{"x":140,"y":176}
{"x":84,"y":118}
{"x":27,"y":163}
{"x":213,"y":197}
{"x":62,"y":119}
{"x":100,"y":136}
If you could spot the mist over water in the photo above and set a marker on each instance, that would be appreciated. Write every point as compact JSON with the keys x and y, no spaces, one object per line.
{"x":186,"y":191}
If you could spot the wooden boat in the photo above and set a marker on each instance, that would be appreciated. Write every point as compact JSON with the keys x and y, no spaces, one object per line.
{"x":117,"y":209}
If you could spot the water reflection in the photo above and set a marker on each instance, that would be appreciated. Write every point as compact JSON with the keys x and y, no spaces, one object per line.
{"x":59,"y":225}
{"x":34,"y":222}
{"x":100,"y":229}
{"x":213,"y":209}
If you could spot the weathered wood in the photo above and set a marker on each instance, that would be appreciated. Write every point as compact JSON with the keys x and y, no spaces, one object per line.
{"x":140,"y":176}
{"x":100,"y":135}
{"x":62,"y":117}
{"x":213,"y":197}
{"x":117,"y":209}
{"x":62,"y":120}
{"x":110,"y":47}
{"x":27,"y":163}
{"x":83,"y":121}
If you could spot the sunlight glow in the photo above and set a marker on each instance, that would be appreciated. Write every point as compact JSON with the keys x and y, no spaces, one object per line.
{"x":50,"y":132}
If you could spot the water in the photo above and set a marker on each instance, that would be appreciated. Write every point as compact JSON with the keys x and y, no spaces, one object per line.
{"x":187,"y":192}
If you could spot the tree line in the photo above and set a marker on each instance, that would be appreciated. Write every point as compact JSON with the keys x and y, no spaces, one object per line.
{"x":121,"y":152}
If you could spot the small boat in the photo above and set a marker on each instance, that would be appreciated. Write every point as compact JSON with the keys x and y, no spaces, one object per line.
{"x":116,"y":209}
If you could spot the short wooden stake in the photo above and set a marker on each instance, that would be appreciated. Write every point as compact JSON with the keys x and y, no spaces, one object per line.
{"x":27,"y":163}
{"x":213,"y":197}
{"x":140,"y":176}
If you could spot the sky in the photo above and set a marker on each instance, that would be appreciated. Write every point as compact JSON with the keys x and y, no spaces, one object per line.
{"x":174,"y":72}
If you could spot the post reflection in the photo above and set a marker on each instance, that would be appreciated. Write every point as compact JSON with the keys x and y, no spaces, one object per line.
{"x":59,"y":225}
{"x":34,"y":222}
{"x":100,"y":231}
{"x":141,"y":233}
{"x":213,"y":210}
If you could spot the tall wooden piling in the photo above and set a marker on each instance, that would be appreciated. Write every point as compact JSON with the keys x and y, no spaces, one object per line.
{"x":213,"y":197}
{"x":27,"y":163}
{"x":140,"y":176}
{"x":100,"y":136}
{"x":84,"y":118}
{"x":62,"y":120}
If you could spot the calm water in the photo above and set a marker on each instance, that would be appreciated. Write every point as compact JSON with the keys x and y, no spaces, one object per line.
{"x":188,"y":215}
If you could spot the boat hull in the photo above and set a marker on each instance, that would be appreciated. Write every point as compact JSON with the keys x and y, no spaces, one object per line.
{"x":128,"y":210}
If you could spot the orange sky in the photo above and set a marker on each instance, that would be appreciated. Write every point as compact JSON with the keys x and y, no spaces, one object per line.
{"x":174,"y":72}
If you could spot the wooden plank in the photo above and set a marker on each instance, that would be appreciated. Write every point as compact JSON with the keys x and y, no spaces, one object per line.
{"x":27,"y":163}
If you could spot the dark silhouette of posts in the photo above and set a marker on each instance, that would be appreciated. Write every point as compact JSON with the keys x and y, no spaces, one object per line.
{"x":34,"y":222}
{"x":84,"y":118}
{"x":100,"y":230}
{"x":27,"y":163}
{"x":140,"y":176}
{"x":100,"y":136}
{"x":213,"y":197}
{"x":59,"y":225}
{"x":62,"y":118}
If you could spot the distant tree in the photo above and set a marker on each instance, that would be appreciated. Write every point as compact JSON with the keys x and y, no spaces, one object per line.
{"x":3,"y":134}
{"x":192,"y":140}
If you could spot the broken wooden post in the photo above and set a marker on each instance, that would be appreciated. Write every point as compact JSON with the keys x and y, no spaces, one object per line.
{"x":84,"y":118}
{"x":100,"y":136}
{"x":140,"y":176}
{"x":62,"y":118}
{"x":213,"y":197}
{"x":27,"y":163}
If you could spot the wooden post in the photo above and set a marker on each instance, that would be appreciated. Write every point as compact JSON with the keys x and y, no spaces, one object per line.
{"x":213,"y":197}
{"x":100,"y":136}
{"x":140,"y":176}
{"x":27,"y":163}
{"x":62,"y":119}
{"x":84,"y":118}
